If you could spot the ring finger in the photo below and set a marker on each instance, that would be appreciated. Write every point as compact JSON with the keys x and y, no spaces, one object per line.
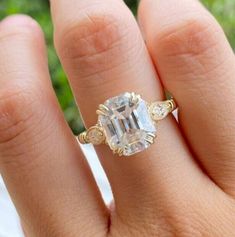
{"x":103,"y":53}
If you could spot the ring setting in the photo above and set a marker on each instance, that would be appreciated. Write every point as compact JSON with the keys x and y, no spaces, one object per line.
{"x":127,"y":123}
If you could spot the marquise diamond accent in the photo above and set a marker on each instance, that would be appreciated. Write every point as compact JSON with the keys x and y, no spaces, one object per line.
{"x":160,"y":110}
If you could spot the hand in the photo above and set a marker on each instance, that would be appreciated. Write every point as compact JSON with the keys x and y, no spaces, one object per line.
{"x":184,"y":185}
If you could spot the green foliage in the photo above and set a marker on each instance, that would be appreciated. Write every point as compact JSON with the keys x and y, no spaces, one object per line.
{"x":223,"y":10}
{"x":39,"y":10}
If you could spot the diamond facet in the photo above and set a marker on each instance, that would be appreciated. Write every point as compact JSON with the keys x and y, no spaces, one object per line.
{"x":127,"y":124}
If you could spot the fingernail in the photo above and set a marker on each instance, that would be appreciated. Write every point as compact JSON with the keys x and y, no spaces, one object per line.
{"x":18,"y":20}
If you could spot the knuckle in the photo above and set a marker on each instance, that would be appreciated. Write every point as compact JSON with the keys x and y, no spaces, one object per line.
{"x":96,"y":38}
{"x":19,"y":114}
{"x":193,"y":36}
{"x":93,"y":33}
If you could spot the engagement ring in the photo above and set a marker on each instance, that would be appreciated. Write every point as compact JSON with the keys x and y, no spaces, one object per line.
{"x":127,"y":123}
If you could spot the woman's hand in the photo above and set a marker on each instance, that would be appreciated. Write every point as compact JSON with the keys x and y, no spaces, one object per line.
{"x":184,"y":185}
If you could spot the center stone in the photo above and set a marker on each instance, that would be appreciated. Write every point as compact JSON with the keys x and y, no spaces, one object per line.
{"x":127,"y":124}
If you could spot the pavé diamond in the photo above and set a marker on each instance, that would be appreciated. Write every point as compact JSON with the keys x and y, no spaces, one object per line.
{"x":127,"y":124}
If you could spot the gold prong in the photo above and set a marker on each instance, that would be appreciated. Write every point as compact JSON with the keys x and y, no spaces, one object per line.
{"x":118,"y":151}
{"x":133,"y":95}
{"x":82,"y":138}
{"x":100,"y":112}
{"x":135,"y":98}
{"x":103,"y":110}
{"x":172,"y":105}
{"x":151,"y":135}
{"x":103,"y":107}
{"x":149,"y":140}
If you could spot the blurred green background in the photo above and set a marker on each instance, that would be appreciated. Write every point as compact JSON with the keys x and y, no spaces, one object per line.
{"x":223,"y":10}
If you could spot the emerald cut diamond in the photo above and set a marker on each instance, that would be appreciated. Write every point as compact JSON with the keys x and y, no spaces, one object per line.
{"x":127,"y":125}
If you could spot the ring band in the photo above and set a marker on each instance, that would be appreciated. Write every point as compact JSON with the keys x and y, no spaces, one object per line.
{"x":127,"y":123}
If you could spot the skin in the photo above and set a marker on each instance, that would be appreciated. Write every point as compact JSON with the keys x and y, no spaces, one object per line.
{"x":184,"y":185}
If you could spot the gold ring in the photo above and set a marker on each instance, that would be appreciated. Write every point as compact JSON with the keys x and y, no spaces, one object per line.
{"x":127,"y":123}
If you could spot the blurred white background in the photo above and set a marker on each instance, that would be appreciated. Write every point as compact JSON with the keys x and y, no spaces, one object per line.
{"x":9,"y":221}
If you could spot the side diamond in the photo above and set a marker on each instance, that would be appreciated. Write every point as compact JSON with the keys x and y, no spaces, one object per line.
{"x":159,"y":110}
{"x":95,"y":135}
